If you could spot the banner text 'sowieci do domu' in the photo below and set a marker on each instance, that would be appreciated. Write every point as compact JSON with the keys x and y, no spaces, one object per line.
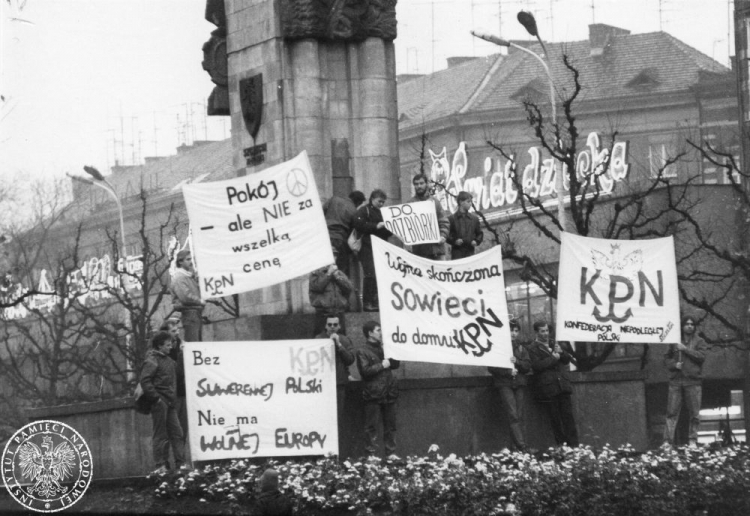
{"x":444,"y":312}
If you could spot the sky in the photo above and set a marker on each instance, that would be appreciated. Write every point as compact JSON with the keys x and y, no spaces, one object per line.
{"x":103,"y":81}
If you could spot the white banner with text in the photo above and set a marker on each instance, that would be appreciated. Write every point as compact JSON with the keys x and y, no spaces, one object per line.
{"x":414,"y":223}
{"x":443,"y":312}
{"x":617,"y":291}
{"x":258,"y":230}
{"x":261,"y":399}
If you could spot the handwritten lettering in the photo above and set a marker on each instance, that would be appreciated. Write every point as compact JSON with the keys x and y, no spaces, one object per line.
{"x":311,"y":386}
{"x":234,"y":389}
{"x":250,"y":194}
{"x":452,"y":306}
{"x":298,"y":440}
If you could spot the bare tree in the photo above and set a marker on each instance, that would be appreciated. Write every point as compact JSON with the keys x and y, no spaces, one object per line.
{"x":86,"y":336}
{"x":633,"y":213}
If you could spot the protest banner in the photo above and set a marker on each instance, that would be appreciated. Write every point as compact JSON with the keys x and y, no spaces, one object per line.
{"x":414,"y":222}
{"x":258,"y":230}
{"x":261,"y":399}
{"x":443,"y":312}
{"x":617,"y":291}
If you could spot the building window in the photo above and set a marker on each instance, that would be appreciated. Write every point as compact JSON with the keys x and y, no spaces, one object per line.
{"x":658,"y":156}
{"x":527,"y":302}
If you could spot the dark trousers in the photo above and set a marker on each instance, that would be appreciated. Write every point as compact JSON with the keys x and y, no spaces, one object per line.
{"x":181,"y":408}
{"x":513,"y":400}
{"x":560,"y":409}
{"x":192,"y":324}
{"x":369,"y":283}
{"x":692,"y":393}
{"x":167,"y":431}
{"x":344,"y":254}
{"x":375,"y":414}
{"x":461,"y":252}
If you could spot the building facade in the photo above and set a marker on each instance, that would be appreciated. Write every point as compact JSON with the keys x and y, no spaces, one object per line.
{"x":644,"y":105}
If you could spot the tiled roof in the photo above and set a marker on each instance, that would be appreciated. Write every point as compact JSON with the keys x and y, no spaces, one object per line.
{"x":441,"y":93}
{"x":209,"y":161}
{"x":672,"y":64}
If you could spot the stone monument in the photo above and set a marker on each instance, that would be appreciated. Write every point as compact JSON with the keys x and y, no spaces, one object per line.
{"x":314,"y":75}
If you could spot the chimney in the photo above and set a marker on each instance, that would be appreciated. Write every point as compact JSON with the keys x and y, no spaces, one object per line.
{"x":601,"y":36}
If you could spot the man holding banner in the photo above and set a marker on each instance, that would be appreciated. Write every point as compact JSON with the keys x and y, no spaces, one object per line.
{"x":685,"y":364}
{"x":422,"y":193}
{"x":380,"y":390}
{"x":552,"y":387}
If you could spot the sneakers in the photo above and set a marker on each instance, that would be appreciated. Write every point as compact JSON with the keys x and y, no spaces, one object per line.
{"x":185,"y":467}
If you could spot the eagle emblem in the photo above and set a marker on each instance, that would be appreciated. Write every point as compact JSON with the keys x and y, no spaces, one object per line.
{"x":46,"y":466}
{"x":617,"y":265}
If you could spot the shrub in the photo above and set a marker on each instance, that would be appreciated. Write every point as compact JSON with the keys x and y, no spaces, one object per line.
{"x":561,"y":481}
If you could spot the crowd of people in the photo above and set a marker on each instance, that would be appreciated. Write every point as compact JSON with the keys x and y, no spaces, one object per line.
{"x":539,"y":367}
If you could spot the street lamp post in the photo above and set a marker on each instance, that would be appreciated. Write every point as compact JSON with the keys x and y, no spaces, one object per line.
{"x":527,"y":20}
{"x":100,"y":181}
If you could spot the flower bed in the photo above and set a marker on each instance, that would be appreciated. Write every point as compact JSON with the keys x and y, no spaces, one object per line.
{"x":562,"y":481}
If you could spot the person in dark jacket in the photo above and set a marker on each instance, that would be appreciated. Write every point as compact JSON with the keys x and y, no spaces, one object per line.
{"x":344,"y":357}
{"x":172,"y":326}
{"x":685,"y":364}
{"x":329,"y":289}
{"x":270,"y":501}
{"x":512,"y":386}
{"x":380,"y":390}
{"x":339,"y":213}
{"x":159,"y":383}
{"x":552,"y":387}
{"x":465,"y":232}
{"x":369,"y":223}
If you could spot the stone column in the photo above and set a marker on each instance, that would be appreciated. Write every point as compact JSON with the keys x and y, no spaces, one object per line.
{"x":329,"y":87}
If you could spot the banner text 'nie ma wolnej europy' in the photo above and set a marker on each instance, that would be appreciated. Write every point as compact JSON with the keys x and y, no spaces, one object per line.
{"x":258,"y":230}
{"x":619,"y":291}
{"x":443,"y":312}
{"x":261,"y":399}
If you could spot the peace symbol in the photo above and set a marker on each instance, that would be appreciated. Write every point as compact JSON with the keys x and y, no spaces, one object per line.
{"x":296,"y":182}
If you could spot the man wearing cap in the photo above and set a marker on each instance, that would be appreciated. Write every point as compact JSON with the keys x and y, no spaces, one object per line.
{"x":186,"y":297}
{"x":685,"y":364}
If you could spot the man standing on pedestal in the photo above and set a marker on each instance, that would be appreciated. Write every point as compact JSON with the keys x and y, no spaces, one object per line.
{"x":465,"y":230}
{"x":552,"y":387}
{"x":339,"y":213}
{"x":422,"y":193}
{"x":186,"y":297}
{"x":685,"y":364}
